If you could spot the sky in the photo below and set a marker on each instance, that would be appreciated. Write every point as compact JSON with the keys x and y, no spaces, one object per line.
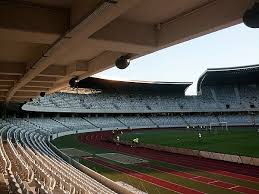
{"x":234,"y":46}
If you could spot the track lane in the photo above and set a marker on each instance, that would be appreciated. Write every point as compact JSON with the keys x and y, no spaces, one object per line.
{"x":159,"y":182}
{"x":174,"y":159}
{"x":202,"y":179}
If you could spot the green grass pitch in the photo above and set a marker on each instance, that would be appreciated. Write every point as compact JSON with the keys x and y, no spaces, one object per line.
{"x":239,"y":140}
{"x":243,"y":141}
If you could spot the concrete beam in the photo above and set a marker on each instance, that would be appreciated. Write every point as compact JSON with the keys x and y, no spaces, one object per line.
{"x":54,"y":71}
{"x":45,"y":79}
{"x":3,"y":94}
{"x":73,"y":70}
{"x":125,"y":36}
{"x":4,"y":89}
{"x":21,"y":99}
{"x":26,"y":94}
{"x":103,"y":15}
{"x":102,"y":62}
{"x":9,"y":77}
{"x":38,"y":84}
{"x":32,"y":89}
{"x":211,"y":17}
{"x":28,"y":23}
{"x":12,"y":68}
{"x":6,"y":83}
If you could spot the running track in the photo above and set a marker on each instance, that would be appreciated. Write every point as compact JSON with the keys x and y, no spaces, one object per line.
{"x":202,"y":179}
{"x":243,"y":172}
{"x":142,"y":176}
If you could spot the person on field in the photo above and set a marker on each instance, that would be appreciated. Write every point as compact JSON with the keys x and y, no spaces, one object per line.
{"x":199,"y":136}
{"x":117,"y":140}
{"x":135,"y":141}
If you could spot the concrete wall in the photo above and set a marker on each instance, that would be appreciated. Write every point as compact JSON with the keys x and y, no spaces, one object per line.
{"x":205,"y":154}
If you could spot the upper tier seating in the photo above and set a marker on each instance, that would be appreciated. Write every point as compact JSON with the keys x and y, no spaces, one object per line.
{"x":214,"y":98}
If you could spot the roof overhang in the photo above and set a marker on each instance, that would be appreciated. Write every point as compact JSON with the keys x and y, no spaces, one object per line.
{"x":46,"y":43}
{"x":114,"y":86}
{"x":229,"y":75}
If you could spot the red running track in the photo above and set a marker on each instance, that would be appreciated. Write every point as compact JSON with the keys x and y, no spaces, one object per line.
{"x":202,"y":179}
{"x":142,"y":176}
{"x":243,"y":172}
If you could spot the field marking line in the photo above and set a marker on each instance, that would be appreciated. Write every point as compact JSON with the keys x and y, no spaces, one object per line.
{"x":234,"y":187}
{"x":194,"y":177}
{"x":211,"y":171}
{"x":146,"y":175}
{"x":245,"y":190}
{"x":201,"y":181}
{"x":213,"y":182}
{"x":131,"y":175}
{"x":239,"y":186}
{"x":190,"y":166}
{"x":122,"y":158}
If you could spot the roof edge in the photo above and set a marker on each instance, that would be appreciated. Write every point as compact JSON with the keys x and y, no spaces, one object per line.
{"x":233,"y":68}
{"x":204,"y":74}
{"x":145,"y":82}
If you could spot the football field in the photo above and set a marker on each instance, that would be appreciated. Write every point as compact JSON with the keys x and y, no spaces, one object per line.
{"x":160,"y":172}
{"x":238,"y":141}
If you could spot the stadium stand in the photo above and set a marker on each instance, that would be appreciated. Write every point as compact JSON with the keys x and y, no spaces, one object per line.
{"x":32,"y":166}
{"x":168,"y":121}
{"x":74,"y":123}
{"x":219,"y":90}
{"x":224,"y":96}
{"x":48,"y":124}
{"x":238,"y":119}
{"x":105,"y":122}
{"x":200,"y":120}
{"x":136,"y":121}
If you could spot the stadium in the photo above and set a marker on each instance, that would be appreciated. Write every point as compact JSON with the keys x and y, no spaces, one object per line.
{"x":64,"y":131}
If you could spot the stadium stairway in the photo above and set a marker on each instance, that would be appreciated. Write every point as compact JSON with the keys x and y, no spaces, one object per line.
{"x":187,"y":124}
{"x":90,"y":122}
{"x":117,"y":118}
{"x":121,"y":122}
{"x":150,"y":118}
{"x":63,"y":124}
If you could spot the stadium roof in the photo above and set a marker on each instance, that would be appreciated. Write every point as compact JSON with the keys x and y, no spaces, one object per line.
{"x":133,"y":86}
{"x":229,"y":75}
{"x":44,"y":43}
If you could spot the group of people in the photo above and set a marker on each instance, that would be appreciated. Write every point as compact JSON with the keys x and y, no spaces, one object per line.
{"x":116,"y":137}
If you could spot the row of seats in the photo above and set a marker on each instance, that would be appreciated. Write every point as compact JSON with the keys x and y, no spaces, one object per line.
{"x":212,"y":98}
{"x":140,"y":121}
{"x":64,"y":124}
{"x":32,"y":167}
